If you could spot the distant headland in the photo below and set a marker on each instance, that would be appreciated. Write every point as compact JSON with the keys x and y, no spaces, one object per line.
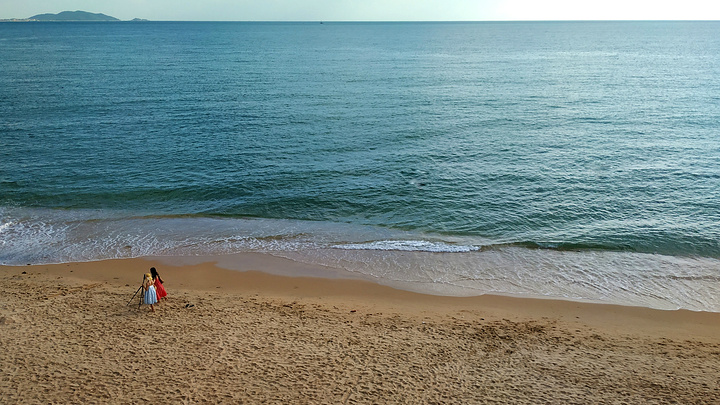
{"x":73,"y":16}
{"x":70,"y":16}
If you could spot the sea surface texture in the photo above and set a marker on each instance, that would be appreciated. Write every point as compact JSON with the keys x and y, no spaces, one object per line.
{"x":576,"y":160}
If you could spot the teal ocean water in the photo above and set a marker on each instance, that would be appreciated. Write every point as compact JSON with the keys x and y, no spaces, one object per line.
{"x":576,"y":160}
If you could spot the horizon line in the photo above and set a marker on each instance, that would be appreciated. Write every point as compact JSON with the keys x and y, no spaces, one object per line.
{"x":138,"y":19}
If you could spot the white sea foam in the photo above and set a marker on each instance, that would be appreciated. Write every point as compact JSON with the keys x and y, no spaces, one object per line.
{"x":408,"y":246}
{"x":5,"y":226}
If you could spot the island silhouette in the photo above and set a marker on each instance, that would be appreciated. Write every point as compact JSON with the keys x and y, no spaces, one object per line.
{"x":73,"y":16}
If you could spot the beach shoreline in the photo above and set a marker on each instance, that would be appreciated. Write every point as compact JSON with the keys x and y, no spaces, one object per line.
{"x":256,"y":335}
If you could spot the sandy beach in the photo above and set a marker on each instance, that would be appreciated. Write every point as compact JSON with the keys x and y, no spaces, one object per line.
{"x":68,"y":335}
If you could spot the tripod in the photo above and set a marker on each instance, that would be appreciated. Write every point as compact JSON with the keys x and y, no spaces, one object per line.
{"x":133,"y":297}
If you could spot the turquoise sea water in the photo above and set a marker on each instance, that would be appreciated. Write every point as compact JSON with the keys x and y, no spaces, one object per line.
{"x":575,"y":160}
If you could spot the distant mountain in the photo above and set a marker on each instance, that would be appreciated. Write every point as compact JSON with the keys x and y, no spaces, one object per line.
{"x":73,"y":16}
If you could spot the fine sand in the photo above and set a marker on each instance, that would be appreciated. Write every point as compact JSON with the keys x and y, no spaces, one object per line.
{"x":67,"y":335}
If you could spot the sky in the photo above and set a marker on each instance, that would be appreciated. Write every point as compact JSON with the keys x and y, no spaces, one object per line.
{"x":374,"y":10}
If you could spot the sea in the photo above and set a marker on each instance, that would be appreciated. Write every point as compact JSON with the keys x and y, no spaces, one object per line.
{"x":570,"y":160}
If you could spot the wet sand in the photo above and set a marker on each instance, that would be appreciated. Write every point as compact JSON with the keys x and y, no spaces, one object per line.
{"x":68,"y":336}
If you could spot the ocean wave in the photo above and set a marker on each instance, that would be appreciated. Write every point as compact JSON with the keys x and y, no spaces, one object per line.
{"x":408,"y":246}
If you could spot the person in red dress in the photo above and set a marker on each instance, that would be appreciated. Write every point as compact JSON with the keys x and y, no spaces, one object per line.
{"x":158,"y":283}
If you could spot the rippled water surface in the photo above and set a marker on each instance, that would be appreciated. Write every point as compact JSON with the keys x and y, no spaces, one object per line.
{"x":561,"y":159}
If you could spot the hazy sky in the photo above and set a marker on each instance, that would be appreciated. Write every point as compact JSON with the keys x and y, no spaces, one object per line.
{"x":374,"y":10}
